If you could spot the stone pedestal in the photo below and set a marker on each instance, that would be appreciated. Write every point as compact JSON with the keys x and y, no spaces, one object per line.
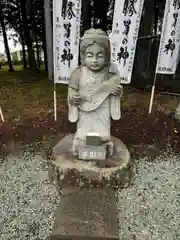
{"x":88,"y":203}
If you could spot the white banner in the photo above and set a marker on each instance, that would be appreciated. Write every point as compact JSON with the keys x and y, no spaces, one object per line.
{"x":66,"y":35}
{"x":169,"y":47}
{"x":126,"y":22}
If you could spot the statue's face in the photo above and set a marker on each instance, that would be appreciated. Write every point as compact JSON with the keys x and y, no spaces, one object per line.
{"x":95,"y":58}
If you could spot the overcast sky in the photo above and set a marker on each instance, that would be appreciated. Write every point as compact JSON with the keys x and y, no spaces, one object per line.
{"x":1,"y":45}
{"x":10,"y":42}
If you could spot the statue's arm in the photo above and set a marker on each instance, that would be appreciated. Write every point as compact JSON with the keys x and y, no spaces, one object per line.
{"x":73,"y":89}
{"x":114,"y":80}
{"x":71,"y":93}
{"x":115,"y":101}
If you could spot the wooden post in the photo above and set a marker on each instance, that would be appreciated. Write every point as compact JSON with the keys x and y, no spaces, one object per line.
{"x":55,"y":103}
{"x":152,"y":94}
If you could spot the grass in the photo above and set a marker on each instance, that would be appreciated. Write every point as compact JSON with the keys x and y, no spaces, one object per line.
{"x":25,"y":95}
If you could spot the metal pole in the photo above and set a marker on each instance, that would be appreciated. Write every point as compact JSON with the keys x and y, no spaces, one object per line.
{"x":174,"y":76}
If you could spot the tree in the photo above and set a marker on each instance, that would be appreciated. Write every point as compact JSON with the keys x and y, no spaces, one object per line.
{"x":48,"y":37}
{"x":27,"y":19}
{"x":27,"y":15}
{"x":100,"y":12}
{"x":145,"y":30}
{"x":86,"y":15}
{"x":11,"y":69}
{"x":12,"y":14}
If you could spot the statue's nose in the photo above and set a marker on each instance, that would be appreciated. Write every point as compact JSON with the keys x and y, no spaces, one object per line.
{"x":94,"y":59}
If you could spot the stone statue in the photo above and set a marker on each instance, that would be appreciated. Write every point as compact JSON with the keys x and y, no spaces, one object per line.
{"x":89,"y":186}
{"x":94,"y":95}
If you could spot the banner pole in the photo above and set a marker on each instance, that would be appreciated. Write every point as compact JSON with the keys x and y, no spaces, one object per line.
{"x":55,"y":103}
{"x":2,"y":117}
{"x":152,"y":94}
{"x":174,"y":76}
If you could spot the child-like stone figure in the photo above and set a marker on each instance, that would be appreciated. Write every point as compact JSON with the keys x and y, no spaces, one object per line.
{"x":94,"y":92}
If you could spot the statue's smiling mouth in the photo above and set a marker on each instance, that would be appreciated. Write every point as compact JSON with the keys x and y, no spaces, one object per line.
{"x":95,"y":65}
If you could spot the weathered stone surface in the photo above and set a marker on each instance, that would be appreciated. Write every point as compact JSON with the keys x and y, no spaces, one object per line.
{"x":59,"y":237}
{"x":66,"y":170}
{"x":88,"y":213}
{"x":93,"y":139}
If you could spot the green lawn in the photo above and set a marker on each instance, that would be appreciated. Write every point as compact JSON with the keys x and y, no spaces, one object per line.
{"x":26,"y":95}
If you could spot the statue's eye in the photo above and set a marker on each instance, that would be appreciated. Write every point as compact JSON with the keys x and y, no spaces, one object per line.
{"x":89,"y":55}
{"x":100,"y":55}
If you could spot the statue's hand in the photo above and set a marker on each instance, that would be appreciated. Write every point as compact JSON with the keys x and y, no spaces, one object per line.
{"x":76,"y":99}
{"x":116,"y":90}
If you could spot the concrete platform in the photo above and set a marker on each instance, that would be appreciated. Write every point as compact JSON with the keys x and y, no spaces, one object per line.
{"x":88,"y":213}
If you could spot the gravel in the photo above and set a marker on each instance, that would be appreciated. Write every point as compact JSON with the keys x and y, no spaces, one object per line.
{"x":27,"y":200}
{"x":148,"y":210}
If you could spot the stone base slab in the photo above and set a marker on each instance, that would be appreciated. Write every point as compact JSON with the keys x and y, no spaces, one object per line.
{"x":86,"y":213}
{"x":59,"y":237}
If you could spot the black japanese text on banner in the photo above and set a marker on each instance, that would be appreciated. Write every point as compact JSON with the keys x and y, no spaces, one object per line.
{"x":126,"y":22}
{"x":169,"y":47}
{"x":66,"y":34}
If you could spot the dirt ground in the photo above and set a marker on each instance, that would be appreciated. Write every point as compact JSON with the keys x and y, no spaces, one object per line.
{"x":143,"y":134}
{"x":27,"y":105}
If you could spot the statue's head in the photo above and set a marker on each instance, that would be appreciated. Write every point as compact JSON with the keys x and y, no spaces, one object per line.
{"x":95,"y":49}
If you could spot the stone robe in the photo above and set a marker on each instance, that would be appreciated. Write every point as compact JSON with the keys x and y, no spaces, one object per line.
{"x":98,"y":105}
